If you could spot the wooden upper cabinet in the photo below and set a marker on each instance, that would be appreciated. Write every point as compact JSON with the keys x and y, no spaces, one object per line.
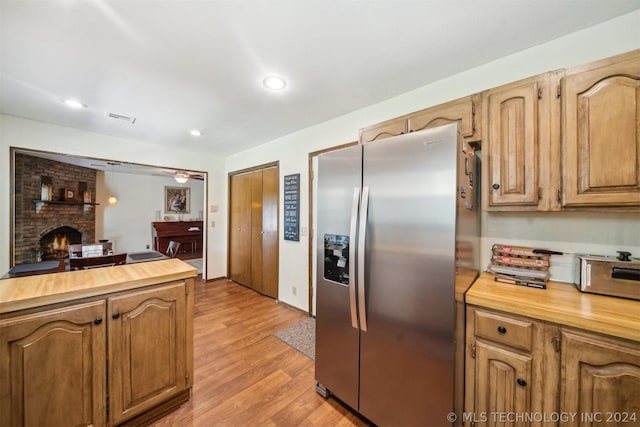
{"x":520,"y":145}
{"x":386,"y":129}
{"x":464,"y":111}
{"x":601,"y":133}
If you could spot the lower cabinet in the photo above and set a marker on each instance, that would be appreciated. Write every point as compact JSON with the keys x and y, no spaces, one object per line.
{"x":504,"y":370}
{"x":147,"y":348}
{"x":53,"y":367}
{"x":525,"y":372}
{"x":60,"y":366}
{"x":600,"y":380}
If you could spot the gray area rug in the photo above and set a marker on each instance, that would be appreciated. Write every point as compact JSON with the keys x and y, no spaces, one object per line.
{"x":301,"y":336}
{"x":196,"y":262}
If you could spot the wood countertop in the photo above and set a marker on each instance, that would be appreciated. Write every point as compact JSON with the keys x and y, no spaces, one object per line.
{"x":36,"y":291}
{"x":560,"y":303}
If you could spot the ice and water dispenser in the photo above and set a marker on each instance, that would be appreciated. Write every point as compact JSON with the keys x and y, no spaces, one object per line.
{"x":336,"y":258}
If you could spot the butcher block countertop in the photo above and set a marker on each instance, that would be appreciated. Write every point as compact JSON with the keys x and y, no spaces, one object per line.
{"x":560,"y":303}
{"x":36,"y":291}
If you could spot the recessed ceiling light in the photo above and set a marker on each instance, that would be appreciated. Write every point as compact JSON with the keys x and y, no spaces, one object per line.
{"x":274,"y":83}
{"x":195,"y":132}
{"x":74,"y":103}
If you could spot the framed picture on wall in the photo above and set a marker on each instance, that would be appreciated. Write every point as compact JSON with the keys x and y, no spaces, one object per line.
{"x":177,"y":200}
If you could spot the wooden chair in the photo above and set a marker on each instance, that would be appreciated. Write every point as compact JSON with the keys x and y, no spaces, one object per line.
{"x":172,"y":249}
{"x":97,"y":261}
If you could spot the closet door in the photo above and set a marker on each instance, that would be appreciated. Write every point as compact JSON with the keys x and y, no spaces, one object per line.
{"x":240,"y":229}
{"x":270,"y":193}
{"x":256,"y":230}
{"x":253,"y":230}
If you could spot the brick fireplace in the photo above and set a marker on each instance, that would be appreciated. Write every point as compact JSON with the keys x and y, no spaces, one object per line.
{"x":70,"y":220}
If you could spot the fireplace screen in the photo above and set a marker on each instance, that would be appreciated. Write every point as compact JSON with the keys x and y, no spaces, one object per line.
{"x":55,"y":244}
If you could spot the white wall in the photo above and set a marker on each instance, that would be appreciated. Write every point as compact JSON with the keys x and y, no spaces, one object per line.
{"x":607,"y":39}
{"x":140,"y":198}
{"x":610,"y":38}
{"x":30,"y":134}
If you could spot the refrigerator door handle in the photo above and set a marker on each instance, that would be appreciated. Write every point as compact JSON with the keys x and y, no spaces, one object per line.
{"x":362,"y":237}
{"x":352,"y":257}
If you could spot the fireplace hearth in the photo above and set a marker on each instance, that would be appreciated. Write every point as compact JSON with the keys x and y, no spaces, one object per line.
{"x":55,"y":244}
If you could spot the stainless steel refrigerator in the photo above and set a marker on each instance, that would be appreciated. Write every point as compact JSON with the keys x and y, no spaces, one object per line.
{"x":397,"y":223}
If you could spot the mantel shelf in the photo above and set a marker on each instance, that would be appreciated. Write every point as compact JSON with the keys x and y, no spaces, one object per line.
{"x":40,"y":203}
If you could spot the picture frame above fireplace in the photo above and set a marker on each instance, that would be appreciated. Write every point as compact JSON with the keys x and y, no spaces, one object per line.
{"x":69,"y":195}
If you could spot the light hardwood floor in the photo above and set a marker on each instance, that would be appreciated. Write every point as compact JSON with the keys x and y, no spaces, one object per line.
{"x":244,"y":376}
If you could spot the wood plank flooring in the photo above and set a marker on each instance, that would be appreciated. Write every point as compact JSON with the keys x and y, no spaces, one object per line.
{"x":244,"y":376}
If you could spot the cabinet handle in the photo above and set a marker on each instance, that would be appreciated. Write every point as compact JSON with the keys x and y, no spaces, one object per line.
{"x":115,"y":315}
{"x":495,"y":186}
{"x":502,"y":329}
{"x":521,"y":382}
{"x":98,"y":320}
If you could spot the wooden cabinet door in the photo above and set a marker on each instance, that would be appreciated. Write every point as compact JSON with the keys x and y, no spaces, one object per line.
{"x":53,"y":367}
{"x":462,"y":111}
{"x":502,"y":383}
{"x":601,"y":133}
{"x":600,"y":377}
{"x":512,"y":142}
{"x":147,"y":349}
{"x":240,"y":228}
{"x":386,"y":129}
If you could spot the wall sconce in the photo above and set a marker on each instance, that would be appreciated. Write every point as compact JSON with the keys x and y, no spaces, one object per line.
{"x":112,"y":198}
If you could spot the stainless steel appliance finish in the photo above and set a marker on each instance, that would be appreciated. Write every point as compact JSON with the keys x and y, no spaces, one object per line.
{"x":612,"y":276}
{"x":391,"y":216}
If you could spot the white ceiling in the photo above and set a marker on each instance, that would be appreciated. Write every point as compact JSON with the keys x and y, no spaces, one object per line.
{"x":175,"y":65}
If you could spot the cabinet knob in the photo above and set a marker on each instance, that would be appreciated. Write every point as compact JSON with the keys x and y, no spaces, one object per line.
{"x":115,"y":315}
{"x":502,"y":329}
{"x":495,"y":186}
{"x":521,"y":382}
{"x":98,"y":320}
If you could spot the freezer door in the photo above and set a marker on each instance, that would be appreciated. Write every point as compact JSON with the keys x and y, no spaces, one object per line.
{"x":407,"y":351}
{"x":339,"y":182}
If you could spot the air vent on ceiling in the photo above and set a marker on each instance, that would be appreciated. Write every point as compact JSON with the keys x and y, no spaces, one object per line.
{"x":120,"y":117}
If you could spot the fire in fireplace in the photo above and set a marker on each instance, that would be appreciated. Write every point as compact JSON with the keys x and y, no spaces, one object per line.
{"x":55,"y":244}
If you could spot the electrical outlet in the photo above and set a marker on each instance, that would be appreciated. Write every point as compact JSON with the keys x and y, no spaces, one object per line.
{"x":293,"y":290}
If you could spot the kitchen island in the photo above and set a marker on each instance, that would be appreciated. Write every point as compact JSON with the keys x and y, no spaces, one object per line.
{"x":98,"y":347}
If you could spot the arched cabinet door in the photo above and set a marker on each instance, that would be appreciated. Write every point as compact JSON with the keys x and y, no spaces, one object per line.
{"x":601,"y":133}
{"x":147,"y":349}
{"x":600,"y":378}
{"x":53,"y":367}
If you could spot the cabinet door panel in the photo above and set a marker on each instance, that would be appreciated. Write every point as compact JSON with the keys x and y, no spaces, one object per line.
{"x":147,"y":349}
{"x":601,"y":134}
{"x":53,"y":367}
{"x":462,"y":111}
{"x":600,"y":376}
{"x":503,"y":381}
{"x":513,"y":145}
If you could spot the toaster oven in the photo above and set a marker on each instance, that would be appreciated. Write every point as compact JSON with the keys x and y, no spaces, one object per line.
{"x":615,"y":276}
